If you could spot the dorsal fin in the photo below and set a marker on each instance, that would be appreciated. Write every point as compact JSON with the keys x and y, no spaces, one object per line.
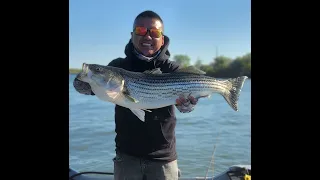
{"x":190,"y":69}
{"x":153,"y":71}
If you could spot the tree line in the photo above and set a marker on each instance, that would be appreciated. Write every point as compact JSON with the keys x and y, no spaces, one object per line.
{"x":219,"y":67}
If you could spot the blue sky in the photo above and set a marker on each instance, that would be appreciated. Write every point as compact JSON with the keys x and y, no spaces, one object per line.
{"x":100,"y":29}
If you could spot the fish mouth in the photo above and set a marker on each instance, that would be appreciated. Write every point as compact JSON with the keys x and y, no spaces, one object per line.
{"x":85,"y":69}
{"x":84,"y":72}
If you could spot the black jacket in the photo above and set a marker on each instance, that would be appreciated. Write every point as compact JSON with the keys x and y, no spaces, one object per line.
{"x":153,"y":139}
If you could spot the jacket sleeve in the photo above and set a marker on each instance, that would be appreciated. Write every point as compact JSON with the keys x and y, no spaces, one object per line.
{"x":83,"y":87}
{"x":174,"y":66}
{"x":116,"y":62}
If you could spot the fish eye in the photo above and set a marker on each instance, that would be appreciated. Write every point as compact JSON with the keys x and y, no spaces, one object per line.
{"x":98,"y":68}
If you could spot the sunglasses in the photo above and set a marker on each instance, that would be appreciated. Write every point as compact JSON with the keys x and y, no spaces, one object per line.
{"x":142,"y":31}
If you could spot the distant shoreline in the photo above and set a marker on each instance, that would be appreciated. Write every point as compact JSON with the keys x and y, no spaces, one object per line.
{"x":74,"y":71}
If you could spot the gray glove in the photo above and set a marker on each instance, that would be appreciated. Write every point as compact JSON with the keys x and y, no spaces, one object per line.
{"x":186,"y":105}
{"x":82,"y":87}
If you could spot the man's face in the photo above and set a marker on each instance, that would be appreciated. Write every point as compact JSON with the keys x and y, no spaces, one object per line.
{"x":147,"y":44}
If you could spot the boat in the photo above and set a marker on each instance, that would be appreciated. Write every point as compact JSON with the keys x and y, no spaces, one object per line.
{"x":238,"y":172}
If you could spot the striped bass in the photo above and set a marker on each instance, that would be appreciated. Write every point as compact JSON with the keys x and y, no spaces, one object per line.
{"x":152,"y":89}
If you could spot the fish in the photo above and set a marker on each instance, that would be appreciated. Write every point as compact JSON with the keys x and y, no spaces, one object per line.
{"x":142,"y":92}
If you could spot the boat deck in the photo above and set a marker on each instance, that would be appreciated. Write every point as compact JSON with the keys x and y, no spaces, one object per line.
{"x":235,"y":172}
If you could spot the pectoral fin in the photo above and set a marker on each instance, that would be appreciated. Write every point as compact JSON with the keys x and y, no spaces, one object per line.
{"x":147,"y":110}
{"x":139,"y":113}
{"x":131,"y":98}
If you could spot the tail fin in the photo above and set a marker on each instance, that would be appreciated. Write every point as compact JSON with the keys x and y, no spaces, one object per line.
{"x":232,"y":96}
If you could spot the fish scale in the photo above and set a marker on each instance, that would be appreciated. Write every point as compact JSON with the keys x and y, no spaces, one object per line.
{"x":148,"y":88}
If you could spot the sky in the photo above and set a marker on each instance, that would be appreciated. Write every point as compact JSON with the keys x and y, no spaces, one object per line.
{"x":201,"y":29}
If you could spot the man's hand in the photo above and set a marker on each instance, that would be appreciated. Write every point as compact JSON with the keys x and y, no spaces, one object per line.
{"x":186,"y":105}
{"x":82,"y":87}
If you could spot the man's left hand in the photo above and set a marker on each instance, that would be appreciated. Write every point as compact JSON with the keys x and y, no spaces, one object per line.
{"x":186,"y":105}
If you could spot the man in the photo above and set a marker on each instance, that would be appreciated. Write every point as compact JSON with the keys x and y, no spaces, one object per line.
{"x":146,"y":150}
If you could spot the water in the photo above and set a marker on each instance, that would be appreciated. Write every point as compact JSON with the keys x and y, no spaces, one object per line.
{"x":212,"y":122}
